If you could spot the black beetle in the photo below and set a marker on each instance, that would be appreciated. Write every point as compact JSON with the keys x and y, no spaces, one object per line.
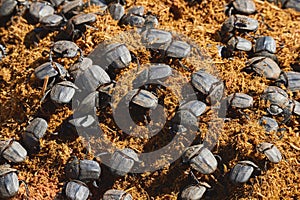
{"x":84,"y":170}
{"x":65,"y":49}
{"x":76,"y":190}
{"x":116,"y":195}
{"x":116,"y":11}
{"x":38,"y":10}
{"x":12,"y":151}
{"x":123,"y":161}
{"x":9,"y":182}
{"x":193,"y":192}
{"x":33,"y":133}
{"x":63,"y":92}
{"x":242,"y":172}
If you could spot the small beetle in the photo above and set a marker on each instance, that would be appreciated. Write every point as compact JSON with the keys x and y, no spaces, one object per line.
{"x":186,"y":118}
{"x":56,"y":3}
{"x":291,"y":80}
{"x":50,"y":69}
{"x":292,"y":4}
{"x":71,"y":8}
{"x":63,"y":92}
{"x":241,"y":6}
{"x":132,"y":20}
{"x":52,"y":22}
{"x":269,"y":124}
{"x":84,"y":122}
{"x":144,"y":99}
{"x":136,"y":10}
{"x":240,"y":100}
{"x":33,"y":133}
{"x":264,"y":67}
{"x":178,"y":49}
{"x":80,"y":66}
{"x":195,"y":106}
{"x":208,"y":85}
{"x":239,"y":43}
{"x":76,"y":190}
{"x":7,"y":7}
{"x":116,"y":11}
{"x":38,"y":10}
{"x":9,"y":182}
{"x":123,"y":161}
{"x":156,"y":39}
{"x":12,"y":151}
{"x":155,"y":73}
{"x":84,"y":170}
{"x":151,"y":21}
{"x":200,"y":159}
{"x":91,"y":78}
{"x":76,"y":26}
{"x":266,"y":43}
{"x":65,"y":49}
{"x":242,"y":172}
{"x":116,"y":195}
{"x":271,"y":151}
{"x":193,"y":192}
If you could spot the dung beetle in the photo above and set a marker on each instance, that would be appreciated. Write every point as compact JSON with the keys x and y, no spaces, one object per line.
{"x":122,"y":161}
{"x":116,"y":55}
{"x":265,"y":67}
{"x":91,"y":78}
{"x":12,"y":151}
{"x":113,"y":194}
{"x":153,"y":74}
{"x":241,"y":6}
{"x":7,"y":7}
{"x":76,"y":26}
{"x":156,"y":39}
{"x":116,"y":10}
{"x":266,"y":43}
{"x":290,"y":79}
{"x":134,"y":17}
{"x":63,"y":92}
{"x":242,"y":171}
{"x":186,"y":118}
{"x":200,"y":159}
{"x":9,"y":182}
{"x":240,"y":100}
{"x":208,"y":85}
{"x":269,"y":124}
{"x":194,"y":106}
{"x":52,"y":22}
{"x":70,"y":8}
{"x":195,"y":191}
{"x":38,"y":10}
{"x":76,"y":190}
{"x":239,"y":43}
{"x":178,"y":49}
{"x":271,"y":151}
{"x":141,"y":98}
{"x":84,"y":170}
{"x":33,"y":133}
{"x":80,"y":66}
{"x":50,"y":69}
{"x":65,"y":49}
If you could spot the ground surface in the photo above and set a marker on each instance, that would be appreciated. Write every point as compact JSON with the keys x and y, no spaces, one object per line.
{"x":20,"y":93}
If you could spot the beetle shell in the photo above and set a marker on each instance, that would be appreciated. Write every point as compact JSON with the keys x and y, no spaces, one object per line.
{"x":38,"y":127}
{"x":65,"y":48}
{"x":123,"y":161}
{"x":80,"y":66}
{"x":296,"y":108}
{"x":9,"y":182}
{"x":136,"y":10}
{"x":132,"y":20}
{"x":276,"y":96}
{"x":116,"y":195}
{"x":186,"y":118}
{"x":40,"y":9}
{"x":56,"y":3}
{"x":200,"y":158}
{"x":156,"y":39}
{"x":70,"y":6}
{"x":92,"y":78}
{"x":12,"y":151}
{"x":195,"y":106}
{"x":242,"y":172}
{"x":52,"y":21}
{"x":145,"y":99}
{"x":265,"y":67}
{"x":63,"y":92}
{"x":269,"y":124}
{"x":117,"y":55}
{"x":116,"y":11}
{"x":291,"y":80}
{"x":266,"y":43}
{"x":50,"y":69}
{"x":84,"y":170}
{"x":7,"y":7}
{"x":240,"y":43}
{"x":84,"y":121}
{"x":151,"y":21}
{"x":193,"y":192}
{"x":271,"y":151}
{"x":244,"y":23}
{"x":244,"y":6}
{"x":83,"y":18}
{"x":292,"y":4}
{"x":178,"y":49}
{"x":77,"y":190}
{"x":240,"y":100}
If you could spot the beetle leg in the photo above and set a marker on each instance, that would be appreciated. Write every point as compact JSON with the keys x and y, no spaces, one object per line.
{"x":26,"y":189}
{"x":45,"y":84}
{"x":45,"y":95}
{"x":192,"y":175}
